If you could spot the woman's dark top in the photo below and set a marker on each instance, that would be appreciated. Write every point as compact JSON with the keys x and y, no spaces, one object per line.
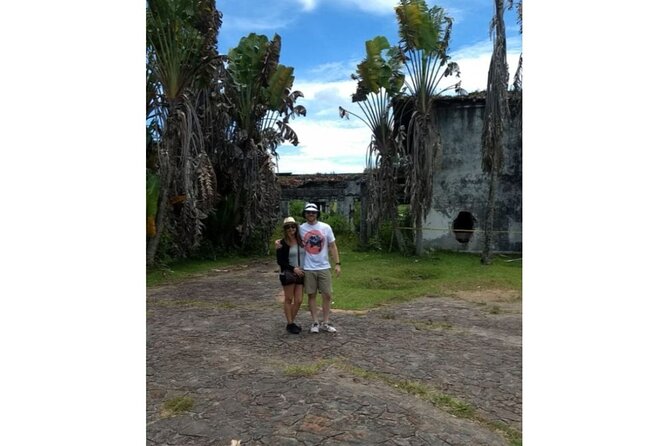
{"x":283,"y":256}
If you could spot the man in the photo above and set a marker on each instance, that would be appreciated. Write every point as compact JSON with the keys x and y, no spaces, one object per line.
{"x":319,"y":241}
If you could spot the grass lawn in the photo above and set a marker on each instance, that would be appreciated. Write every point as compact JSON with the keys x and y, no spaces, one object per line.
{"x":371,"y":278}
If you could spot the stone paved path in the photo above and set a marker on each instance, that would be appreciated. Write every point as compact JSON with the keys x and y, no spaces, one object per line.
{"x":221,"y":341}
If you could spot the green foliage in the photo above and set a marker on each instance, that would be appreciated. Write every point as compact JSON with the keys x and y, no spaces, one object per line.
{"x":174,"y":44}
{"x":384,"y":239}
{"x":356,"y":216}
{"x":258,"y":98}
{"x":152,"y":195}
{"x":184,"y":269}
{"x":281,"y":80}
{"x":258,"y":90}
{"x":167,"y":251}
{"x":295,"y":208}
{"x":152,"y":190}
{"x":338,"y":222}
{"x":424,"y":38}
{"x":381,"y":241}
{"x":372,"y":278}
{"x":307,"y":370}
{"x":177,"y":405}
{"x":378,"y":72}
{"x":179,"y":60}
{"x":419,"y":27}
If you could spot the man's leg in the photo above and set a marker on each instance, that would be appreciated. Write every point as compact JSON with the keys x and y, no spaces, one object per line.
{"x":313,"y":308}
{"x":327,"y":300}
{"x":311,"y":288}
{"x":325,"y":287}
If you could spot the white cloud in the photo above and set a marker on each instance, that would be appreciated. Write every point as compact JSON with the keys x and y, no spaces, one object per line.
{"x":322,"y":99}
{"x":380,"y":7}
{"x":308,"y":5}
{"x":331,"y":144}
{"x":374,"y":6}
{"x":333,"y":71}
{"x":326,"y":147}
{"x":256,"y":24}
{"x":474,"y":62}
{"x":328,"y":143}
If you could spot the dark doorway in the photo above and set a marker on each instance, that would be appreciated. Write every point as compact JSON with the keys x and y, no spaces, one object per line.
{"x":463,"y":226}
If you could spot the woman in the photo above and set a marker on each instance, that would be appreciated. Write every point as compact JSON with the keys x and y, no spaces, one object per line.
{"x":289,"y":256}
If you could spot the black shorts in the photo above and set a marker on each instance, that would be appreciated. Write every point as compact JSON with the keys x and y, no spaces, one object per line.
{"x":290,"y":278}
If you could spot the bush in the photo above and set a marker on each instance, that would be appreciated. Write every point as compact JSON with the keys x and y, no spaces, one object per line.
{"x":338,"y":222}
{"x":295,"y":208}
{"x":385,"y":240}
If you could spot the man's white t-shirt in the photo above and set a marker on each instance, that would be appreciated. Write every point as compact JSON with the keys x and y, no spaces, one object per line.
{"x":316,"y":239}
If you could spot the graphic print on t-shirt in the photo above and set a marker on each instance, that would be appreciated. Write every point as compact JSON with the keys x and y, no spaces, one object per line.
{"x":313,"y":241}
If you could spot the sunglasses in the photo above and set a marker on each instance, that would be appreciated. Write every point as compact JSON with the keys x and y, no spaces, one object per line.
{"x":310,"y":212}
{"x":290,"y":226}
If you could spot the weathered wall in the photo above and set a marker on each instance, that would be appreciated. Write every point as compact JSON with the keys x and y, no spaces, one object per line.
{"x":332,"y":193}
{"x":461,"y":186}
{"x":459,"y":183}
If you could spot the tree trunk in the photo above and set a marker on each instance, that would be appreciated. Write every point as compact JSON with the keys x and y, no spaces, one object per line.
{"x":160,"y":219}
{"x":165,"y":166}
{"x":364,"y":200}
{"x":486,"y":254}
{"x":419,"y":237}
{"x":399,"y":237}
{"x":496,"y":112}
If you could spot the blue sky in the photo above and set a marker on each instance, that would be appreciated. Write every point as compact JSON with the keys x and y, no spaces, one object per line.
{"x":324,"y":41}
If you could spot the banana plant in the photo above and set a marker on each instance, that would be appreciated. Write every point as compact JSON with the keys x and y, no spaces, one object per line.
{"x":257,"y":91}
{"x":178,"y":57}
{"x":379,"y":80}
{"x":152,"y":193}
{"x":424,"y":39}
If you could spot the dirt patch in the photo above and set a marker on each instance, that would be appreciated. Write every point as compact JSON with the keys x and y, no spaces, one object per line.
{"x":488,"y":296}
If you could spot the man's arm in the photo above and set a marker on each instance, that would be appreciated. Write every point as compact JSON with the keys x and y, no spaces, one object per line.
{"x":332,"y":249}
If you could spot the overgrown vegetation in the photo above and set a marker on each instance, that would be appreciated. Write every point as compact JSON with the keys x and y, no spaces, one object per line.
{"x":306,"y":370}
{"x":177,"y":405}
{"x":370,"y":279}
{"x":373,"y":278}
{"x":214,"y":122}
{"x":399,"y":84}
{"x":213,"y":125}
{"x":183,"y":269}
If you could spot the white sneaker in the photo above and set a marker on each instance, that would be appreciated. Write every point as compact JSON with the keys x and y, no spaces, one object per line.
{"x":314,"y":327}
{"x":329,"y":328}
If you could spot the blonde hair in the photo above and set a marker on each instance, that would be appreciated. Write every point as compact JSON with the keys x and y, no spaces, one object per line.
{"x":297,"y":232}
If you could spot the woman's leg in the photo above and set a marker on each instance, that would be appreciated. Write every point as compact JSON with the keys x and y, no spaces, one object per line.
{"x":288,"y":292}
{"x":297,"y":300}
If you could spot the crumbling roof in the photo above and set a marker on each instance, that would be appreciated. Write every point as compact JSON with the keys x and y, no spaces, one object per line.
{"x":289,"y":181}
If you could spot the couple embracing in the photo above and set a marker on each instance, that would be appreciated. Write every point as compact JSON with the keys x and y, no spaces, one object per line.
{"x":303,"y":255}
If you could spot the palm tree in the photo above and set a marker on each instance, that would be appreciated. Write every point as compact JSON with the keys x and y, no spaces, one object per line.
{"x":518,"y":77}
{"x":178,"y":57}
{"x":256,"y":91}
{"x":424,"y":38}
{"x":379,"y":81}
{"x":495,"y":117}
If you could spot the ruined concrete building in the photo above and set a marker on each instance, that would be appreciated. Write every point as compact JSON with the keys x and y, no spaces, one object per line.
{"x":455,"y":220}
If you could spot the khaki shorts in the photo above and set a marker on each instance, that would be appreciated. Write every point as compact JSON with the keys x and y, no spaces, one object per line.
{"x":319,"y":280}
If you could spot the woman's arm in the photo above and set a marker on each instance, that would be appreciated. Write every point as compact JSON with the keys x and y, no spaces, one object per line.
{"x":282,"y":257}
